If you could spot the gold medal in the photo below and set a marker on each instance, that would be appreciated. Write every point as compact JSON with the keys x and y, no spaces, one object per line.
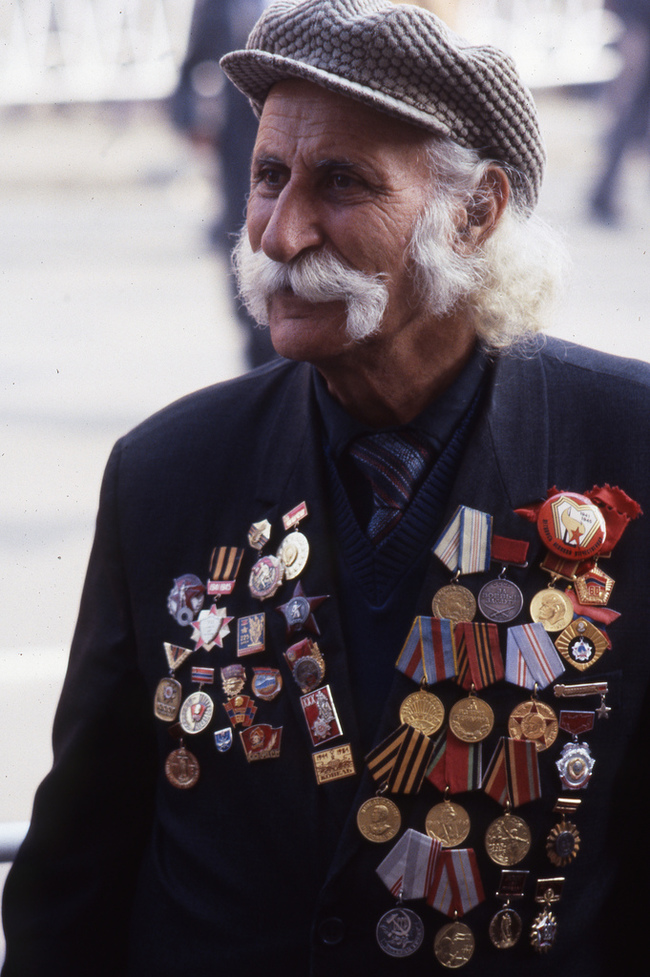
{"x":448,"y":823}
{"x":424,"y":711}
{"x":535,"y":721}
{"x":507,"y":840}
{"x":505,"y":928}
{"x":552,"y":609}
{"x":167,"y":700}
{"x":378,"y":819}
{"x":293,"y":553}
{"x":454,"y":945}
{"x":581,"y":643}
{"x":471,"y":719}
{"x":454,"y":602}
{"x":563,"y":843}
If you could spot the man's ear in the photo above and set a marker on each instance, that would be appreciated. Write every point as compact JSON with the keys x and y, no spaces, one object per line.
{"x":485,"y":212}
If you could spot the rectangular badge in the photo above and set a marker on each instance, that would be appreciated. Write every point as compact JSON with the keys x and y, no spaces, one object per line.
{"x":320,"y":715}
{"x":251,"y":634}
{"x":334,"y":764}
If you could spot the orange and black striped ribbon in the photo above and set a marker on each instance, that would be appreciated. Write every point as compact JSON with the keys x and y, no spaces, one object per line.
{"x":478,"y":654}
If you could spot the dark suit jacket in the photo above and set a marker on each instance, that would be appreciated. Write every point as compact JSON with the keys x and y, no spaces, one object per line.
{"x":257,"y":868}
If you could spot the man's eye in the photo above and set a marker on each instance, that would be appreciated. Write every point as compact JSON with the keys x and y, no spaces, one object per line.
{"x":342,"y":181}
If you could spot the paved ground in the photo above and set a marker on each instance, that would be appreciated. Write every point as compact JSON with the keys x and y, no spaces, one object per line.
{"x":112,"y":305}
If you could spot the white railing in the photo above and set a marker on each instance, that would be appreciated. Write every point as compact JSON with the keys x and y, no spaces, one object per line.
{"x":55,"y":51}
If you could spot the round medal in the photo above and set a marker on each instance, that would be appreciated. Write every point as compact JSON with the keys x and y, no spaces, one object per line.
{"x":455,"y":603}
{"x":424,"y":711}
{"x":551,"y":608}
{"x":308,"y":672}
{"x":505,"y":928}
{"x":471,"y":719}
{"x":448,"y":823}
{"x":196,"y":712}
{"x":507,"y":840}
{"x":571,"y":526}
{"x":378,"y":819}
{"x":400,"y":932}
{"x":182,"y":768}
{"x":535,"y":721}
{"x":500,"y":600}
{"x":167,"y":700}
{"x":293,"y":553}
{"x":454,"y":945}
{"x":266,"y":577}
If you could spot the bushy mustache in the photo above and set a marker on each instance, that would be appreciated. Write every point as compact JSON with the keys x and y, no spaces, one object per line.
{"x":316,"y":276}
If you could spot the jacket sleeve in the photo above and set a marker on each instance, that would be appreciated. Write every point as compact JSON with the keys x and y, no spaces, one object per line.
{"x":68,"y":896}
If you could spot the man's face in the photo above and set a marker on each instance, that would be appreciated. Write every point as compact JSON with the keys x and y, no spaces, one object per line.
{"x":331,"y":175}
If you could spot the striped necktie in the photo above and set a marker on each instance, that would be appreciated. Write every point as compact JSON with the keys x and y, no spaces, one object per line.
{"x":395,"y":465}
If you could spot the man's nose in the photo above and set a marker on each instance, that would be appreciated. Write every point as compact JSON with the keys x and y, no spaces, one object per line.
{"x":293,"y":226}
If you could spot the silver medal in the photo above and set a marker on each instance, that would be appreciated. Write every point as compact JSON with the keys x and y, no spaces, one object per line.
{"x":400,"y":932}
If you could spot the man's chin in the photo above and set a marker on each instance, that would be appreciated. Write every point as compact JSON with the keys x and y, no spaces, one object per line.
{"x":303,"y":330}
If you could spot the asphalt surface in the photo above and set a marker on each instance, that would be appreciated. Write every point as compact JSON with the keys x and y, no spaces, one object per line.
{"x":112,"y":305}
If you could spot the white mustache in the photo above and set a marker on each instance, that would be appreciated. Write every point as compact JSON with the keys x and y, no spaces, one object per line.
{"x":317,"y":276}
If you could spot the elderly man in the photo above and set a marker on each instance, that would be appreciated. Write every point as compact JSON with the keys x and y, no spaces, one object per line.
{"x":398,"y":725}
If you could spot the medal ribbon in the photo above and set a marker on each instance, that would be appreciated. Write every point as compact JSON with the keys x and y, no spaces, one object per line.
{"x":506,"y":550}
{"x":408,"y":869}
{"x":478,"y":654}
{"x":513,"y":773}
{"x":531,"y":657}
{"x":618,"y":511}
{"x":401,"y":760}
{"x":457,"y":885}
{"x":224,"y":567}
{"x":465,"y":543}
{"x":429,"y":651}
{"x":455,"y":765}
{"x":576,"y":721}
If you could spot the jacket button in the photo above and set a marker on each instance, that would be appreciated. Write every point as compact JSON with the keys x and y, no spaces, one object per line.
{"x":331,"y":930}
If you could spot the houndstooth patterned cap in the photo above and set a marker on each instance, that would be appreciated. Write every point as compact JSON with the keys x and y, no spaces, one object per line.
{"x":402,"y":60}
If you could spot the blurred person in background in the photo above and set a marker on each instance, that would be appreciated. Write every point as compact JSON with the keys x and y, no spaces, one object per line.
{"x":213,"y":113}
{"x":629,"y":107}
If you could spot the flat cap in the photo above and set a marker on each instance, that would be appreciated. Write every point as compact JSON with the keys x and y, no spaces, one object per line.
{"x":402,"y":60}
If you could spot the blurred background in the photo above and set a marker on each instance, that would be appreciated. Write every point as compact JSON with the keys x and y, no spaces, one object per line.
{"x":122,"y":171}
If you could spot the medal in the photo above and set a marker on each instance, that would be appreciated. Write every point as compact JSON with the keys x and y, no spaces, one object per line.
{"x":544,"y":928}
{"x":378,"y":819}
{"x":225,"y":562}
{"x":448,"y":823}
{"x":259,"y":534}
{"x":182,"y":768}
{"x":575,"y":766}
{"x":464,"y":547}
{"x":453,"y":945}
{"x":266,"y":577}
{"x":251,"y":634}
{"x":196,"y":712}
{"x":298,"y":612}
{"x":233,"y":679}
{"x":594,"y":587}
{"x":223,"y":739}
{"x":507,"y":840}
{"x":261,"y":742}
{"x":266,"y":683}
{"x":240,"y":710}
{"x":505,"y":926}
{"x":552,"y":609}
{"x":424,"y":711}
{"x":586,"y":688}
{"x":306,"y":663}
{"x":210,"y":628}
{"x":563,"y":842}
{"x":471,"y":719}
{"x":320,"y":715}
{"x":294,"y":548}
{"x":455,"y":603}
{"x":333,"y":764}
{"x":186,"y":598}
{"x":167,"y":699}
{"x":400,"y":932}
{"x":581,"y":643}
{"x":500,"y":600}
{"x":176,"y":655}
{"x":535,"y":721}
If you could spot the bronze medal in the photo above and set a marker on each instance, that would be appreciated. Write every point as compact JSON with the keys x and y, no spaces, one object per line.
{"x":167,"y":700}
{"x":454,"y":602}
{"x":471,"y":719}
{"x":454,"y":945}
{"x":448,"y":823}
{"x":535,"y":721}
{"x":505,"y":928}
{"x":182,"y":768}
{"x":424,"y":711}
{"x":507,"y":840}
{"x":378,"y":819}
{"x":552,"y":609}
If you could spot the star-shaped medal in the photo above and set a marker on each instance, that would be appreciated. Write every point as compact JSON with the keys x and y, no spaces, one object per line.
{"x":298,"y":612}
{"x":210,"y":628}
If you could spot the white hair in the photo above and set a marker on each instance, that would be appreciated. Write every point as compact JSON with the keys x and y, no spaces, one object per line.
{"x":508,"y":286}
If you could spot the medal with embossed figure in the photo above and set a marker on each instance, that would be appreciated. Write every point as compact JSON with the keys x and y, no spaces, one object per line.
{"x":500,"y":600}
{"x":454,"y":602}
{"x":182,"y":769}
{"x":454,"y":945}
{"x":544,"y":928}
{"x":378,"y":819}
{"x":448,"y":823}
{"x":400,"y":932}
{"x":471,"y":719}
{"x":506,"y":926}
{"x":552,"y":609}
{"x":508,"y":840}
{"x":294,"y":548}
{"x":424,"y":711}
